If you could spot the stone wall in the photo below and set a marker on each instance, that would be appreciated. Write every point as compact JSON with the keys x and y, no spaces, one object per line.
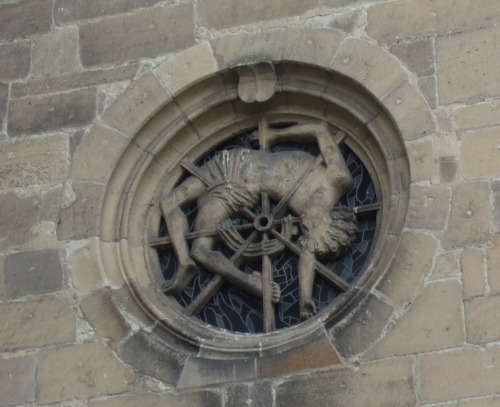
{"x":74,"y":74}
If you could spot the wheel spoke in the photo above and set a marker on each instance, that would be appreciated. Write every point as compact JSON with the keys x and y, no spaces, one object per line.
{"x":367,"y":210}
{"x":267,"y":277}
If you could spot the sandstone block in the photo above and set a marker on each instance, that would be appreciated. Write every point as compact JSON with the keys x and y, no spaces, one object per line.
{"x":380,"y":384}
{"x":447,"y":265}
{"x":152,"y":358}
{"x":473,"y":272}
{"x":16,"y":59}
{"x":470,"y":218}
{"x":412,"y":262}
{"x":481,"y":319}
{"x":376,"y":69}
{"x":53,"y":112}
{"x":4,"y":97}
{"x":16,"y":217}
{"x":258,"y":394}
{"x":428,"y":207}
{"x":403,"y":19}
{"x":204,"y":398}
{"x":70,"y":10}
{"x":50,"y":204}
{"x":85,"y":79}
{"x":422,"y":161}
{"x":480,"y":153}
{"x":80,"y":371}
{"x":346,"y":21}
{"x":428,"y":87}
{"x":99,"y":309}
{"x":83,"y":262}
{"x":448,"y":167}
{"x":2,"y":278}
{"x":418,"y":56}
{"x":479,"y":115}
{"x":365,"y":325}
{"x":459,"y":374}
{"x":492,"y":262}
{"x":56,"y":53}
{"x":17,"y":381}
{"x":496,"y":204}
{"x":25,"y":18}
{"x":429,"y":324}
{"x":460,"y":77}
{"x":35,"y":272}
{"x":92,"y":157}
{"x":35,"y":161}
{"x":80,"y":218}
{"x":140,"y":101}
{"x":29,"y":324}
{"x":221,"y":14}
{"x":146,"y":33}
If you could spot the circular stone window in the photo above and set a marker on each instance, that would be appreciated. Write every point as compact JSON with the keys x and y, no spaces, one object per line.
{"x":242,"y":226}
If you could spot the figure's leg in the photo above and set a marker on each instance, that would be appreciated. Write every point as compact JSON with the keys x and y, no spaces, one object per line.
{"x":306,"y":283}
{"x":210,"y":214}
{"x":177,"y":226}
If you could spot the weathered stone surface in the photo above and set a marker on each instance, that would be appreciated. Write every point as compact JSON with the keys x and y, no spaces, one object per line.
{"x":141,"y":99}
{"x":80,"y":371}
{"x":16,"y":217}
{"x":17,"y":381}
{"x":99,"y":309}
{"x":153,"y":359}
{"x":41,"y":85}
{"x":412,"y":262}
{"x":448,"y":167}
{"x":376,"y":69}
{"x":198,"y":371}
{"x":70,"y":10}
{"x":447,"y":265}
{"x":470,"y":217}
{"x":205,"y":398}
{"x":428,"y":207}
{"x":146,"y":33}
{"x":80,"y":217}
{"x":222,"y":14}
{"x":480,"y":153}
{"x":402,"y":19}
{"x":34,"y":161}
{"x":258,"y":394}
{"x":473,"y":272}
{"x":459,"y":374}
{"x":44,"y":113}
{"x":434,"y":322}
{"x":16,"y":58}
{"x":56,"y":52}
{"x":313,"y":354}
{"x":50,"y":204}
{"x":460,"y":77}
{"x":345,"y":21}
{"x":482,"y":402}
{"x":29,"y":324}
{"x":35,"y":272}
{"x":363,"y":328}
{"x":481,"y":319}
{"x":84,"y":265}
{"x":492,"y":262}
{"x":418,"y":56}
{"x":480,"y":115}
{"x":380,"y":384}
{"x":410,"y":112}
{"x":422,"y":161}
{"x":428,"y":87}
{"x":496,"y":204}
{"x":25,"y":18}
{"x":4,"y":96}
{"x":92,"y":159}
{"x":2,"y":277}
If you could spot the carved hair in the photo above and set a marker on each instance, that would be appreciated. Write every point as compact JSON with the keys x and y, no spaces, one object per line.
{"x":334,"y":239}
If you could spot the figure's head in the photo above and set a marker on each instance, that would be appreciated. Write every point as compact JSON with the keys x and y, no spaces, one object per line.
{"x":328,"y":233}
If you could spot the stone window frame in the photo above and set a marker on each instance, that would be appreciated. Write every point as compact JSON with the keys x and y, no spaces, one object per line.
{"x":132,"y":127}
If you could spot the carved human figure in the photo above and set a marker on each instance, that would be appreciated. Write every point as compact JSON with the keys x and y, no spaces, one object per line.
{"x":232,"y":181}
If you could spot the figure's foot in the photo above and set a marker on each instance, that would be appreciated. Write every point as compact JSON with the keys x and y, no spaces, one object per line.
{"x":275,"y":290}
{"x":307,"y":309}
{"x":183,"y":276}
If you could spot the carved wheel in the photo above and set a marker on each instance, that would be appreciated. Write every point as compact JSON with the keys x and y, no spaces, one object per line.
{"x":265,"y":239}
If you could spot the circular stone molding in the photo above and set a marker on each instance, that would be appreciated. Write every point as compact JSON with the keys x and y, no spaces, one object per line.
{"x":178,"y":115}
